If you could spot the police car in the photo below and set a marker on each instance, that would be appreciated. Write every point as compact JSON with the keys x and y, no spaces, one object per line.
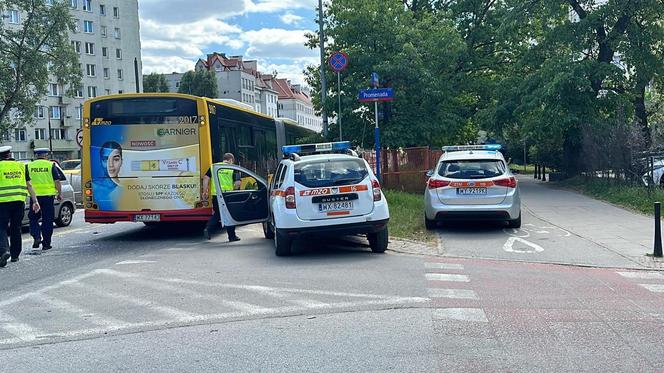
{"x":472,"y":183}
{"x":317,"y":189}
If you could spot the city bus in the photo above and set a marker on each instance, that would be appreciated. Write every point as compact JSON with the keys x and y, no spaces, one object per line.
{"x":144,"y":155}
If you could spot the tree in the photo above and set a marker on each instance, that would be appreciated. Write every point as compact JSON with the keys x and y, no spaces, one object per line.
{"x":155,"y":83}
{"x":199,"y":83}
{"x":33,"y":54}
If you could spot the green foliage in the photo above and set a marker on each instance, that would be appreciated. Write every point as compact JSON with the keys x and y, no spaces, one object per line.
{"x":33,"y":54}
{"x":199,"y":83}
{"x":407,"y":216}
{"x":155,"y":83}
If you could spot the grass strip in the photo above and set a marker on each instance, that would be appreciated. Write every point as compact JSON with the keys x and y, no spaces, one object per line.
{"x":407,"y":216}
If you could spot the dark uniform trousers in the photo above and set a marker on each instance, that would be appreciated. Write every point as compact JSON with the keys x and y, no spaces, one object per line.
{"x":11,"y":213}
{"x":214,"y":223}
{"x":47,"y":214}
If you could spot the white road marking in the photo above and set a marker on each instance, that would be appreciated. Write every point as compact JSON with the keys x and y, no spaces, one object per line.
{"x":532,"y":248}
{"x":45,"y":289}
{"x":460,"y":314}
{"x":655,"y":288}
{"x":106,"y":321}
{"x":22,"y":332}
{"x":434,"y":265}
{"x":642,"y":275}
{"x":446,"y":277}
{"x":452,"y":293}
{"x":135,"y":262}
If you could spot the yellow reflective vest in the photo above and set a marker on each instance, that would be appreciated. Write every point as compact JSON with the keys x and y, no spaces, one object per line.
{"x":41,"y":177}
{"x":13,"y":184}
{"x":225,"y":180}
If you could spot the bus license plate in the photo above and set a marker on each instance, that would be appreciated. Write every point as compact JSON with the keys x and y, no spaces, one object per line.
{"x":147,"y":217}
{"x":335,"y":206}
{"x":471,"y":191}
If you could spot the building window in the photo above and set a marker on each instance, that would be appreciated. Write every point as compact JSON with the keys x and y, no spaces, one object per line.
{"x":40,"y":113}
{"x":58,"y":134}
{"x":102,"y":9}
{"x":19,"y":134}
{"x":120,"y":92}
{"x":116,"y":12}
{"x":53,"y":89}
{"x":73,"y":4}
{"x":79,"y":112}
{"x":90,"y":70}
{"x":13,"y":16}
{"x":88,"y":27}
{"x":116,"y":33}
{"x":118,"y":53}
{"x":55,"y":113}
{"x":87,"y":5}
{"x":119,"y":74}
{"x":76,"y":45}
{"x":79,"y":92}
{"x":92,"y":91}
{"x":104,"y":52}
{"x":40,"y":134}
{"x":90,"y":48}
{"x":103,"y":31}
{"x":107,"y":73}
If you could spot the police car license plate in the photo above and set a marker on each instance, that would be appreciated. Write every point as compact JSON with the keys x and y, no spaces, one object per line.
{"x":335,"y":206}
{"x":147,"y":217}
{"x":471,"y":191}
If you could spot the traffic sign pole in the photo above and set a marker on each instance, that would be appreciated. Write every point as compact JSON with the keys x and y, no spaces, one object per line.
{"x":341,"y":137}
{"x":377,"y":141}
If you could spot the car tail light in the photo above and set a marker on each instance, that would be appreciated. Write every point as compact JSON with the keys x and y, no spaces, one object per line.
{"x":376,"y":190}
{"x":507,"y":182}
{"x":435,"y":184}
{"x":290,"y":198}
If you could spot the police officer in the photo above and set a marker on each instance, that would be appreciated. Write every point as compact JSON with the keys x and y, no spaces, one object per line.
{"x":228,"y":181}
{"x":14,"y":188}
{"x":46,"y":181}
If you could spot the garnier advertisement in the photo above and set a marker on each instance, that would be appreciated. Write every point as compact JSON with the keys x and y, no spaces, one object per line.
{"x":154,"y":166}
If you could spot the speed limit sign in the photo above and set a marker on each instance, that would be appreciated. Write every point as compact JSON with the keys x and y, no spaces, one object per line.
{"x":79,"y":137}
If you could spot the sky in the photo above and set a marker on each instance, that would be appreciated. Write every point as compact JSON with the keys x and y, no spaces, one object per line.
{"x":176,"y":33}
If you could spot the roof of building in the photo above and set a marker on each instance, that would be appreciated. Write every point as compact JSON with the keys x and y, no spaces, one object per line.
{"x":287,"y":91}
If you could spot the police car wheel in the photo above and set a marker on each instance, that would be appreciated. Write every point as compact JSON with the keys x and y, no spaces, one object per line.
{"x":267,"y":230}
{"x":282,"y":244}
{"x":65,"y":216}
{"x":378,"y":241}
{"x":430,"y":224}
{"x":516,"y":223}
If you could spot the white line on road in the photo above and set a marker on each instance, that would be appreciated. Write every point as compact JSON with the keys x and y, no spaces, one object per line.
{"x":655,"y":288}
{"x":135,"y":262}
{"x":450,"y":266}
{"x":460,"y":314}
{"x":452,"y":293}
{"x":43,"y":290}
{"x":447,"y":277}
{"x":106,"y":321}
{"x":22,"y":332}
{"x":530,"y":247}
{"x":642,"y":275}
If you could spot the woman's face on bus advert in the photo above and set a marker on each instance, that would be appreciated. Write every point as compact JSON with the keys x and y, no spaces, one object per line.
{"x":114,"y":163}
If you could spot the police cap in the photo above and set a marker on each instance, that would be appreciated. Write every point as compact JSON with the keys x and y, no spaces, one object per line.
{"x":5,"y":149}
{"x":42,"y":151}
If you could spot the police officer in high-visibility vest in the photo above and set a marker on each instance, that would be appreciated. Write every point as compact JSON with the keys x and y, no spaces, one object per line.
{"x":46,"y":180}
{"x":228,"y":180}
{"x":14,"y":189}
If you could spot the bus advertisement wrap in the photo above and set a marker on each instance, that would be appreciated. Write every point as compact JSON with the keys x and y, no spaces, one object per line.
{"x":136,"y":167}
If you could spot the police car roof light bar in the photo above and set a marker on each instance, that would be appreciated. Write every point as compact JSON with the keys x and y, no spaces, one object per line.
{"x":460,"y":148}
{"x":325,"y":147}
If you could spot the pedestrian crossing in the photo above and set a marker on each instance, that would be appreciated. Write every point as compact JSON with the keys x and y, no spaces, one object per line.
{"x":116,"y":300}
{"x":650,"y":280}
{"x":450,"y":293}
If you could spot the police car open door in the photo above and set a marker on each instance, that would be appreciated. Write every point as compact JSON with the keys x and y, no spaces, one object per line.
{"x":241,"y":194}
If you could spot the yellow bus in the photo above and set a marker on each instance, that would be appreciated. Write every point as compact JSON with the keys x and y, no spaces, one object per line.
{"x":144,"y":155}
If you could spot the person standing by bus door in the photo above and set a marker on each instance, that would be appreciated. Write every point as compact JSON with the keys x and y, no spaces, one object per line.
{"x":228,"y":180}
{"x":14,"y":188}
{"x":46,"y":181}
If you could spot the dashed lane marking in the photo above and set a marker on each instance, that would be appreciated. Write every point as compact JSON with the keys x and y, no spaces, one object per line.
{"x":460,"y":314}
{"x":643,"y":275}
{"x":655,"y":288}
{"x":447,"y":277}
{"x":452,"y":293}
{"x":448,"y":266}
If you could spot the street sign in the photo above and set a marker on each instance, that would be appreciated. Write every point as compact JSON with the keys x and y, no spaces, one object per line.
{"x":374,"y":80}
{"x":378,"y":94}
{"x":79,"y":137}
{"x":338,"y":61}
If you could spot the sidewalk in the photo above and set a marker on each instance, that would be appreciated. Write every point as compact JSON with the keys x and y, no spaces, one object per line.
{"x":621,"y":231}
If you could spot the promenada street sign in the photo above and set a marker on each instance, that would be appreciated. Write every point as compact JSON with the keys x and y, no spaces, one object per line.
{"x":377,"y":94}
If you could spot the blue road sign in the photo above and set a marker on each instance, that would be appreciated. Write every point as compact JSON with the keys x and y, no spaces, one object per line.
{"x":338,"y":61}
{"x":378,"y":94}
{"x":374,"y":80}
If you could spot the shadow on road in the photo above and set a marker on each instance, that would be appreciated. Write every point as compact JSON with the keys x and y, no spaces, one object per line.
{"x":471,"y":227}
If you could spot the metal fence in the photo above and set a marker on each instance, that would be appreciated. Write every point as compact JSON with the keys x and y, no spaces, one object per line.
{"x":404,"y":169}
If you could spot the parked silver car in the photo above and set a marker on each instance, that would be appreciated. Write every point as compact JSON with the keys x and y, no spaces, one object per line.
{"x":64,"y":210}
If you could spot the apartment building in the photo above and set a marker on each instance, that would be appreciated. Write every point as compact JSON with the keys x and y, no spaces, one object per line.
{"x":295,"y":103}
{"x":108,"y":43}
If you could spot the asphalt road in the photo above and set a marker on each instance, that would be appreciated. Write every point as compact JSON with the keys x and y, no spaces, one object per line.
{"x":125,"y":297}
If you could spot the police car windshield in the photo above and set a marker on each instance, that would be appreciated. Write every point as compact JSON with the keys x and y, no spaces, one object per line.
{"x":472,"y":169}
{"x":330,"y":173}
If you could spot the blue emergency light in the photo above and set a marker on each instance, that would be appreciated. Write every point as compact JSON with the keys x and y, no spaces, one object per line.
{"x":460,"y":148}
{"x":324,"y":147}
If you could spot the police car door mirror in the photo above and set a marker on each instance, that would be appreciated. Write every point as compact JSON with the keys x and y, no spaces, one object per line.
{"x":429,"y":173}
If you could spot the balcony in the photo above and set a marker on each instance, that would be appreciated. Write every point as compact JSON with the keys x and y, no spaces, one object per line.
{"x":58,"y":145}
